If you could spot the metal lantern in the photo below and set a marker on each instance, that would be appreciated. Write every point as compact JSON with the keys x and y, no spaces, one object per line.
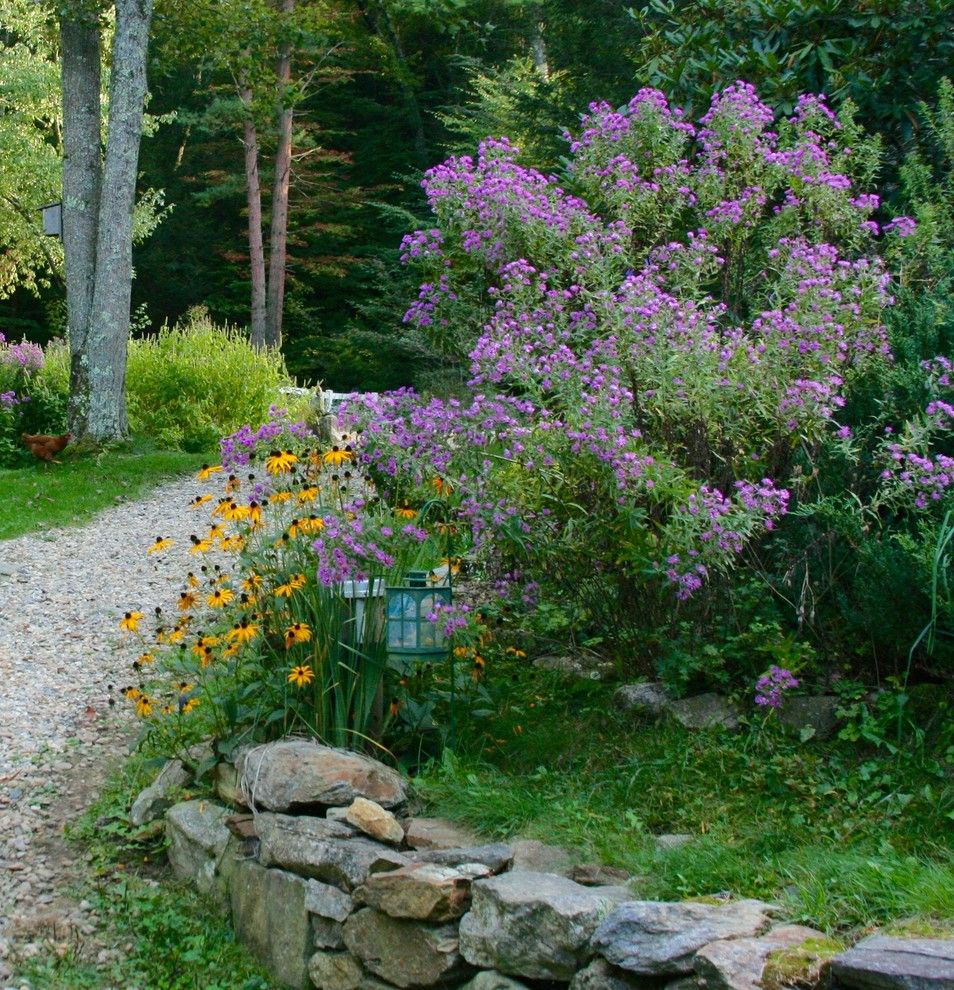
{"x":52,"y":219}
{"x":410,"y":634}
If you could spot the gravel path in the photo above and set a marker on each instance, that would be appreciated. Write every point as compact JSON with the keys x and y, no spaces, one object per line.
{"x":62,"y":660}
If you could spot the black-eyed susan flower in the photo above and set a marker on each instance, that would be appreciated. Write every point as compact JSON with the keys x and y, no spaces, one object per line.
{"x":191,"y":580}
{"x":279,"y":497}
{"x":186,"y":705}
{"x":186,"y":601}
{"x":199,"y":546}
{"x":292,"y":585}
{"x":336,"y":456}
{"x":280,"y":462}
{"x":233,"y":484}
{"x":252,"y":582}
{"x":232,"y":544}
{"x":300,"y":676}
{"x":308,"y":494}
{"x":242,"y":632}
{"x":207,"y":471}
{"x":203,"y":644}
{"x":222,"y":506}
{"x":200,"y":500}
{"x":300,"y":632}
{"x":441,"y":486}
{"x":394,"y":707}
{"x":405,"y":512}
{"x":220,"y":598}
{"x":130,"y":622}
{"x":144,"y":659}
{"x":215,"y":531}
{"x":162,"y":543}
{"x":462,"y":651}
{"x":143,"y":706}
{"x":477,"y":670}
{"x":514,"y":652}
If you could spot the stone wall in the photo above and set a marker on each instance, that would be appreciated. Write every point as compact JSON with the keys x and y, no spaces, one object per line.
{"x":331,"y":887}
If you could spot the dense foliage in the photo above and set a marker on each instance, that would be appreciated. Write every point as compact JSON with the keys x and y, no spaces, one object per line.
{"x":187,"y":386}
{"x":387,"y":89}
{"x":665,"y":419}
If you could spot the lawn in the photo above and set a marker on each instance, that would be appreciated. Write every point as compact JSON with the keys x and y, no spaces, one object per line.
{"x":843,"y":834}
{"x":40,"y":496}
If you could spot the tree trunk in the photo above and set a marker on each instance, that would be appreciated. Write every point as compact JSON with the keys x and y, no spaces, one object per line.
{"x":82,"y":121}
{"x":256,"y":249}
{"x":538,"y":45}
{"x":278,"y":239}
{"x":108,"y":335}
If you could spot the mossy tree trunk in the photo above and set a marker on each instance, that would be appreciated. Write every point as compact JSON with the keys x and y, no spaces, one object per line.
{"x":99,"y":201}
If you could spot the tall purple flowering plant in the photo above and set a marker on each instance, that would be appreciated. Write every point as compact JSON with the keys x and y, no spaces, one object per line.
{"x":658,"y":343}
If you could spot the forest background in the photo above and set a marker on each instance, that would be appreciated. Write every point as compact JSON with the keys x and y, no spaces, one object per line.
{"x":381,"y":90}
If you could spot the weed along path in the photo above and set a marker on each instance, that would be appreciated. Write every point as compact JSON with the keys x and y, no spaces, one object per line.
{"x":63,"y":720}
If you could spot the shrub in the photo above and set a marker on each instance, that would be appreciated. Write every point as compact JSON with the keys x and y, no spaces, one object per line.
{"x":192,"y":383}
{"x":670,"y":352}
{"x":29,"y":401}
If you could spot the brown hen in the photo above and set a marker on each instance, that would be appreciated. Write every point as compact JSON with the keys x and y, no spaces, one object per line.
{"x":44,"y":447}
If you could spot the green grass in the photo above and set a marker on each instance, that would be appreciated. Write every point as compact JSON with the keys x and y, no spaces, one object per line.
{"x":41,"y":496}
{"x":842,"y":835}
{"x":167,"y":936}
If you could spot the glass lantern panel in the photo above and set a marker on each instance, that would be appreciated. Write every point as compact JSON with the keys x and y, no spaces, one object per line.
{"x":431,"y":635}
{"x":402,"y":622}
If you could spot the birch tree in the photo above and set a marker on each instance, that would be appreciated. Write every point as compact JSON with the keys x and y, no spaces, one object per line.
{"x":99,"y":199}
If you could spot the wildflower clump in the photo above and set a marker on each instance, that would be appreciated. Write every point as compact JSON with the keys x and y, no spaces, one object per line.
{"x":263,"y":633}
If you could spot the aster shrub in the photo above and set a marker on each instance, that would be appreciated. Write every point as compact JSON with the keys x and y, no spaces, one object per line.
{"x":27,"y":405}
{"x":665,"y":346}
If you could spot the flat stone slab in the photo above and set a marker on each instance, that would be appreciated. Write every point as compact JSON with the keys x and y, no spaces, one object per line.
{"x":438,"y":833}
{"x":322,"y":849}
{"x":298,"y":774}
{"x":658,"y":938}
{"x":496,"y":856}
{"x":881,"y":962}
{"x":740,"y":963}
{"x":534,"y":925}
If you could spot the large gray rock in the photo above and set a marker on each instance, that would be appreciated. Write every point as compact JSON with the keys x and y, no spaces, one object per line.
{"x":648,"y":700}
{"x":374,"y":821}
{"x":437,"y":833}
{"x":656,"y":938}
{"x":739,"y":964}
{"x":198,"y":838}
{"x":297,"y":774}
{"x":536,"y":925}
{"x":814,"y":713}
{"x":705,"y":711}
{"x":341,"y":971}
{"x":538,"y":857}
{"x":422,"y":891}
{"x":491,"y":980}
{"x":328,"y":907}
{"x":497,"y":857}
{"x":270,"y":916}
{"x":884,"y":963}
{"x":153,"y":800}
{"x":322,"y":849}
{"x":404,"y":953}
{"x":600,"y":975}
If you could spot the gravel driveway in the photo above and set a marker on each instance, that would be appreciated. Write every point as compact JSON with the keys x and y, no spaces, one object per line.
{"x":62,"y":659}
